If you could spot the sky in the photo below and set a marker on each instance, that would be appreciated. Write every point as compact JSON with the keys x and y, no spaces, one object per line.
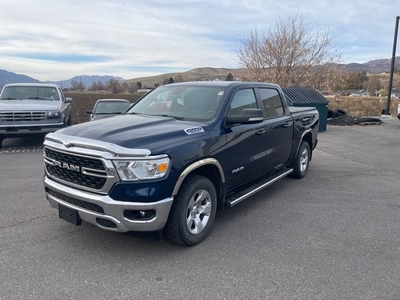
{"x":59,"y":39}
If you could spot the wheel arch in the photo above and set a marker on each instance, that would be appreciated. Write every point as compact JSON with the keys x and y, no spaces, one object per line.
{"x":208,"y":167}
{"x":308,"y":137}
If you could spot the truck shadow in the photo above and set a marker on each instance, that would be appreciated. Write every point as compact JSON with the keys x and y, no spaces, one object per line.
{"x":23,"y":143}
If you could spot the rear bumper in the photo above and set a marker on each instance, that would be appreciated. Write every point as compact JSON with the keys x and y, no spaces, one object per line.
{"x":101,"y":210}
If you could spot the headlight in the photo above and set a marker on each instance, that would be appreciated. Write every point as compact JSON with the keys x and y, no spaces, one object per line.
{"x":142,"y":169}
{"x":53,"y":114}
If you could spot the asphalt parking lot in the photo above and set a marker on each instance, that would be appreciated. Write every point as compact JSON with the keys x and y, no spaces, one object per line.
{"x":333,"y":235}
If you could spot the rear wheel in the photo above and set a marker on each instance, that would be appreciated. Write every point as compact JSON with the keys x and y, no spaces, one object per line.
{"x":302,"y":161}
{"x":193,"y":211}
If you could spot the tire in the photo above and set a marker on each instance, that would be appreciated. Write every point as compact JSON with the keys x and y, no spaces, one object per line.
{"x":193,"y":211}
{"x":368,"y":120}
{"x":331,"y":113}
{"x":1,"y":141}
{"x":339,"y":113}
{"x":302,"y":161}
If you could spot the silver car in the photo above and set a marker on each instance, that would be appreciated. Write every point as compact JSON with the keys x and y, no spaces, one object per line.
{"x":105,"y":108}
{"x":32,"y":109}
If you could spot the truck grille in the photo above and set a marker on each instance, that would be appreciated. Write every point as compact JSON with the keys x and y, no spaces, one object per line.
{"x":23,"y":116}
{"x":68,"y":168}
{"x":76,"y":202}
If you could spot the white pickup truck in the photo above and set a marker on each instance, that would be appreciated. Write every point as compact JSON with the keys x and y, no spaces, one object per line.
{"x":32,"y":109}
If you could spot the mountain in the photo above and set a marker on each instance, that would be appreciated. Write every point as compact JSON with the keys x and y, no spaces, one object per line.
{"x":87,"y":80}
{"x":10,"y":77}
{"x":374,"y":66}
{"x":371,"y":67}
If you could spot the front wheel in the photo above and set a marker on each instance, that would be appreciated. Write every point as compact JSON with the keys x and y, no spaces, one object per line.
{"x":302,"y":161}
{"x":193,"y":211}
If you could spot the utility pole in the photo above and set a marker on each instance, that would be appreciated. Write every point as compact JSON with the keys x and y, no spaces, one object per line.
{"x":387,"y":111}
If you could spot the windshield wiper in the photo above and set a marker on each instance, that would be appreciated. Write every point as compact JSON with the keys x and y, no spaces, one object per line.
{"x":175,"y":117}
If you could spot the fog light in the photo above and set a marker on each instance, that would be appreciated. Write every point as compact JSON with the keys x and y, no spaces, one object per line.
{"x":140,"y":215}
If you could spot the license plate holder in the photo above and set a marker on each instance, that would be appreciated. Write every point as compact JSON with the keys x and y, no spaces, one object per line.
{"x":68,"y":214}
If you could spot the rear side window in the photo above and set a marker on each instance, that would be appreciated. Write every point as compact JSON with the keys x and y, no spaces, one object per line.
{"x":272,"y":102}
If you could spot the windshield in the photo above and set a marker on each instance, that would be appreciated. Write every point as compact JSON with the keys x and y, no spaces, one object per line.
{"x":29,"y":92}
{"x":111,"y":107}
{"x":183,"y":102}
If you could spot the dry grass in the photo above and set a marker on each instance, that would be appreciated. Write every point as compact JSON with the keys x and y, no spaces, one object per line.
{"x":363,"y":106}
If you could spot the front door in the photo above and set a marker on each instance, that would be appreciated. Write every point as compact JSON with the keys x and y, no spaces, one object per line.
{"x":246,"y":143}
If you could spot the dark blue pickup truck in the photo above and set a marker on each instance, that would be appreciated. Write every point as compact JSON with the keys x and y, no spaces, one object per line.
{"x":179,"y":154}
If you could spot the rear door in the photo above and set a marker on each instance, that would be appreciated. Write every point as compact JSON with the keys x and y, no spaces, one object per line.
{"x":246,"y":142}
{"x":279,"y":128}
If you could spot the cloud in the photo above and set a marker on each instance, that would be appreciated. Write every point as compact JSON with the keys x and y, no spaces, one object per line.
{"x":56,"y":40}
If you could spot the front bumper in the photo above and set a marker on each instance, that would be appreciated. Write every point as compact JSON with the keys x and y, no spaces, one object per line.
{"x":26,"y":129}
{"x":101,"y":210}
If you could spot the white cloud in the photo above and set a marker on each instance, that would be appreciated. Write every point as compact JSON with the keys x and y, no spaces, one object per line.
{"x":126,"y":38}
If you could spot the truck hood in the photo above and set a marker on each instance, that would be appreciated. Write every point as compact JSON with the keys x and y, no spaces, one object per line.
{"x":28,"y":105}
{"x":138,"y":131}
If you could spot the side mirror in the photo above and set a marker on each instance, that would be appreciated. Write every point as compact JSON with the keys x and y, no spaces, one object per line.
{"x":68,"y":100}
{"x":248,"y":116}
{"x":89,"y":111}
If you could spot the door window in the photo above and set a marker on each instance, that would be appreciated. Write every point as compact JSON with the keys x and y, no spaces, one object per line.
{"x":243,"y":99}
{"x":272,"y":102}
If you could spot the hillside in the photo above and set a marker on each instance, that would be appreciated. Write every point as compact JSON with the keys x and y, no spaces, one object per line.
{"x":10,"y":77}
{"x":192,"y":75}
{"x":374,"y":66}
{"x":377,"y":66}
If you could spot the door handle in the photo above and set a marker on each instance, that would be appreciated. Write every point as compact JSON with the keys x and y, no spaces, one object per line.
{"x":288,"y":124}
{"x":260,"y":132}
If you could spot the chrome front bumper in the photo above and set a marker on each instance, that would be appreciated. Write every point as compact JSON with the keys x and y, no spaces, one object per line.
{"x":25,"y":129}
{"x":113,"y":210}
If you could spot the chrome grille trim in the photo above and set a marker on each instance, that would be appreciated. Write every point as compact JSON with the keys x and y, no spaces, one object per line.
{"x":85,"y":172}
{"x":22,"y":116}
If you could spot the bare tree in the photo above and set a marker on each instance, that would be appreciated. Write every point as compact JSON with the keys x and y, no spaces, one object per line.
{"x":77,"y":85}
{"x":94,"y":87}
{"x":114,"y":86}
{"x":289,"y":53}
{"x":132,"y":87}
{"x":125,"y":86}
{"x":374,"y":85}
{"x":101,"y":86}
